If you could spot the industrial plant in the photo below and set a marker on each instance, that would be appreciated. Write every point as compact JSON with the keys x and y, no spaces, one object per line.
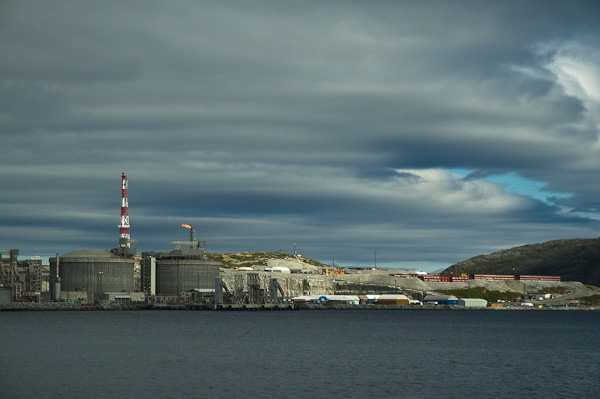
{"x":121,"y":275}
{"x":186,"y":278}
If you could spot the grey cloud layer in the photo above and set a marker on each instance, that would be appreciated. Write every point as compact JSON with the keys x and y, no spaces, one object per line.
{"x":268,"y":123}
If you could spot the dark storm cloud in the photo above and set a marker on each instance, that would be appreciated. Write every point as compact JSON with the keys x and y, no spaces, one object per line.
{"x":330,"y":124}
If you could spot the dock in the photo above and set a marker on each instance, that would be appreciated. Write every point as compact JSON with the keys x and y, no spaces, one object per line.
{"x":227,"y":306}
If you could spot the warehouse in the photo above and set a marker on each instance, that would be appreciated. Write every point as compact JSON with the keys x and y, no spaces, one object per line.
{"x":334,"y":299}
{"x":473,"y":302}
{"x":392,"y":299}
{"x":440,"y":300}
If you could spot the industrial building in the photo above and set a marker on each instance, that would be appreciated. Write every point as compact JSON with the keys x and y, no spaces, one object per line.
{"x":332,"y":299}
{"x":181,"y":270}
{"x":473,"y":302}
{"x":119,"y":275}
{"x":393,"y":299}
{"x":440,"y":300}
{"x":86,"y":275}
{"x":175,"y":272}
{"x":185,"y":274}
{"x":21,"y":280}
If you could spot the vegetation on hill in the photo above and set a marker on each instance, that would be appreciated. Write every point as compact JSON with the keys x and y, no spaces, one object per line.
{"x":591,"y":300}
{"x":251,"y":259}
{"x":481,"y":292}
{"x":572,"y":260}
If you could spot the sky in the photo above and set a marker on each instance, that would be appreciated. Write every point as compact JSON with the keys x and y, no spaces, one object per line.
{"x":402,"y":134}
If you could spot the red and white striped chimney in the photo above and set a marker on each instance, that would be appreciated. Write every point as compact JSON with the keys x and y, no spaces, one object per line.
{"x":125,"y":238}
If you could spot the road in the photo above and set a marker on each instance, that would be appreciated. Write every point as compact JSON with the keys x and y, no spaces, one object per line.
{"x":576,"y":291}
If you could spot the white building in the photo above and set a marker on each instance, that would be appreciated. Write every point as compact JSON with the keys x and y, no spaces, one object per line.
{"x":473,"y":302}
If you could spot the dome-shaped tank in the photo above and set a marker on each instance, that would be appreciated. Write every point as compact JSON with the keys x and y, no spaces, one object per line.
{"x":93,"y":271}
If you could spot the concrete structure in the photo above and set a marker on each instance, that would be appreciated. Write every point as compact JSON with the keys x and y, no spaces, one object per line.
{"x":5,"y":295}
{"x":473,"y":302}
{"x":149,"y":274}
{"x":93,"y":271}
{"x":26,"y":279}
{"x":75,"y":297}
{"x":174,"y":276}
{"x":178,"y":271}
{"x":124,"y":297}
{"x":9,"y":274}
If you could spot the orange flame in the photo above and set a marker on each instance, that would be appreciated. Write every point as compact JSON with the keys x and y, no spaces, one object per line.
{"x":187,"y":226}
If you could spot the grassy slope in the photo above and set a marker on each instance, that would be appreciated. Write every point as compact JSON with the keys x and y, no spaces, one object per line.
{"x":573,"y":260}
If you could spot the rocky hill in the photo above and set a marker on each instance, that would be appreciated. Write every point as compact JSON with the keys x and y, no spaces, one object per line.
{"x":308,"y":276}
{"x":572,"y":260}
{"x":253,"y":259}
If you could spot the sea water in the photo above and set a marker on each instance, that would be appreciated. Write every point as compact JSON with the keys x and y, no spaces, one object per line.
{"x":300,"y":354}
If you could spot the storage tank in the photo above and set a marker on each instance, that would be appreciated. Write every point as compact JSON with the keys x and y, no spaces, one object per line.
{"x":183,"y":270}
{"x":174,"y":276}
{"x":94,"y":271}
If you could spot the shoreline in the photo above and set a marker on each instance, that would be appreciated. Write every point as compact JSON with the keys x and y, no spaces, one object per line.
{"x":62,"y":306}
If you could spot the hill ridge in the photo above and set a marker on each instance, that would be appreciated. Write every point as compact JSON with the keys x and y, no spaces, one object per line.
{"x":575,"y":259}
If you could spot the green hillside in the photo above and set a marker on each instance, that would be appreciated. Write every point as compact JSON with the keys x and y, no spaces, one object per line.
{"x":572,"y":260}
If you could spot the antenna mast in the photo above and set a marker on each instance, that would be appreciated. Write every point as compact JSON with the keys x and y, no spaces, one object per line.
{"x":125,"y":238}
